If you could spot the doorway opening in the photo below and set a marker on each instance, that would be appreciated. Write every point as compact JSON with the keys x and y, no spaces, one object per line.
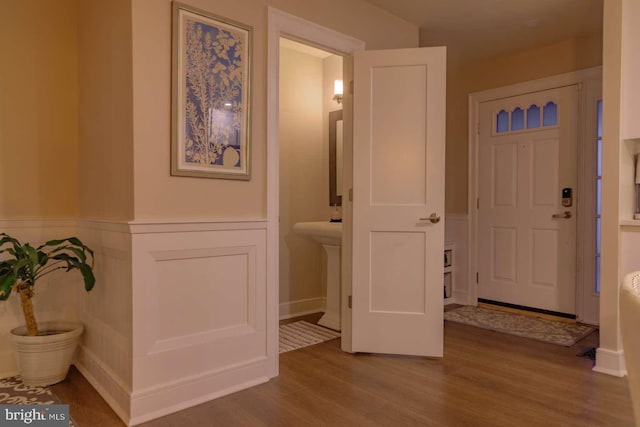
{"x":582,"y":195}
{"x":310,"y":182}
{"x":527,"y":222}
{"x":283,"y":25}
{"x":399,"y":288}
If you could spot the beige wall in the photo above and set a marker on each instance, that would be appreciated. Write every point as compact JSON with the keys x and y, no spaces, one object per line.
{"x":331,"y":71}
{"x":302,"y":184}
{"x":157,"y":194}
{"x":562,"y":57}
{"x":106,"y":193}
{"x":106,"y":126}
{"x":357,"y":18}
{"x":611,"y":159}
{"x":38,"y":109}
{"x":306,"y":89}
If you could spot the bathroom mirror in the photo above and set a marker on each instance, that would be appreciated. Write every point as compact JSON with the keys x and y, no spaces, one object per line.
{"x":335,"y":158}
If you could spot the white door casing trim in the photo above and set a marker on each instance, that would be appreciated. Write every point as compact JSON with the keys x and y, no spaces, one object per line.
{"x":590,"y":81}
{"x":282,"y":24}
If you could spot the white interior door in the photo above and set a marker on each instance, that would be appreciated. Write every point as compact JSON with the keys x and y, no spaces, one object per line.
{"x":527,"y":237}
{"x":398,"y":183}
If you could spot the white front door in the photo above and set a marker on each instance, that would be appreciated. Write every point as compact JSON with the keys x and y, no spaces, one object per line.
{"x":527,"y":236}
{"x":398,"y":184}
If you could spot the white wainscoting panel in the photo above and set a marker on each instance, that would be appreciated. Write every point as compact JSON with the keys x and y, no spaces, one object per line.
{"x":199,"y":314}
{"x":105,"y":353}
{"x":456,"y":232}
{"x":630,"y":247}
{"x":611,"y":360}
{"x":179,"y":314}
{"x":55,"y":294}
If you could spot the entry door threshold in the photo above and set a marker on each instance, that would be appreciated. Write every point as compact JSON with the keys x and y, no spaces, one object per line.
{"x":527,"y":311}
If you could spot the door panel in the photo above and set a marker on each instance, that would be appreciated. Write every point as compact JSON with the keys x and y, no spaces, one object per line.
{"x":544,"y":173}
{"x":527,"y":248}
{"x":398,"y":182}
{"x":397,"y":169}
{"x":397,"y":272}
{"x":505,"y":254}
{"x":505,"y":159}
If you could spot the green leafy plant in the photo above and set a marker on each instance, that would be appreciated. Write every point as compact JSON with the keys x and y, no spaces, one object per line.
{"x":22,"y":265}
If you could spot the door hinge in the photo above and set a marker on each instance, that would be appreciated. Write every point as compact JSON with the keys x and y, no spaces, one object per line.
{"x":478,"y":203}
{"x":351,"y":87}
{"x":478,"y":128}
{"x":351,"y":194}
{"x":350,"y":302}
{"x":477,"y":275}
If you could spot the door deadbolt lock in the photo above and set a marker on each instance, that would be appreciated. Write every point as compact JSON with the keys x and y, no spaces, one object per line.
{"x":567,"y":197}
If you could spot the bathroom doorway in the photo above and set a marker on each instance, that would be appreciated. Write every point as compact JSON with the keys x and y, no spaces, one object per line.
{"x":310,"y":180}
{"x":413,"y":231}
{"x":283,"y":25}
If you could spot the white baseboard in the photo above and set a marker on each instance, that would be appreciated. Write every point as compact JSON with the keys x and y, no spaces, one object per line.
{"x":302,"y":307}
{"x":458,"y":297}
{"x":610,"y":362}
{"x":164,"y":399}
{"x":188,"y":404}
{"x":107,"y":384}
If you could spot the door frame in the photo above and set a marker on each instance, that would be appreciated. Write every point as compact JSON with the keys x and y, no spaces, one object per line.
{"x":282,"y":24}
{"x":589,"y":82}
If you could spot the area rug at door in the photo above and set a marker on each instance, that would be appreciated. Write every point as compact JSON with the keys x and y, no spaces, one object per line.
{"x":302,"y":334}
{"x":14,"y":392}
{"x":555,"y":332}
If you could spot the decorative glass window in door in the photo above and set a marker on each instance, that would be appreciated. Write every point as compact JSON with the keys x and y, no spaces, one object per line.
{"x":533,"y":117}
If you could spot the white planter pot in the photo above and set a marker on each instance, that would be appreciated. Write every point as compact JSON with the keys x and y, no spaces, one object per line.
{"x":45,"y":359}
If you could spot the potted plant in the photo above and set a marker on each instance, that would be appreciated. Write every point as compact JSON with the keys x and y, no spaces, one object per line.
{"x":44,"y":351}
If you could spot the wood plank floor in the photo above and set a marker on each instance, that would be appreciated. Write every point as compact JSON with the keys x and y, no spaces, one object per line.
{"x":485,"y":379}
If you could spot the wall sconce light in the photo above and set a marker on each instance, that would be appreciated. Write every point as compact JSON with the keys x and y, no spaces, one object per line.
{"x":337,"y":91}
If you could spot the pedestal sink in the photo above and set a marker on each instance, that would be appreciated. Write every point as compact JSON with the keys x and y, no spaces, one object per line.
{"x":329,"y":235}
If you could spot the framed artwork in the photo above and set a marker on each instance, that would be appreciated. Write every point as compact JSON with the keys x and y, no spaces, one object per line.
{"x":210,"y":95}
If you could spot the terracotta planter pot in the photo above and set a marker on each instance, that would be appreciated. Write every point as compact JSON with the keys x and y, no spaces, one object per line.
{"x":45,"y":359}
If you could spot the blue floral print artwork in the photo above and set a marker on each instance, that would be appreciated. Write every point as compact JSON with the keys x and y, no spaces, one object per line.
{"x":213,"y":96}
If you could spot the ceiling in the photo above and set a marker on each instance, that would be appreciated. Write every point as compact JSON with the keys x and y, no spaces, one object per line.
{"x":481,"y":29}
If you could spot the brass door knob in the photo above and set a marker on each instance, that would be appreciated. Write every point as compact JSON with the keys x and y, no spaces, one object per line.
{"x":563,"y":215}
{"x":434,"y":218}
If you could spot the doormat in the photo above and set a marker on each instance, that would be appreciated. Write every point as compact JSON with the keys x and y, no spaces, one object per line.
{"x":302,"y":334}
{"x":561,"y":333}
{"x":14,"y":392}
